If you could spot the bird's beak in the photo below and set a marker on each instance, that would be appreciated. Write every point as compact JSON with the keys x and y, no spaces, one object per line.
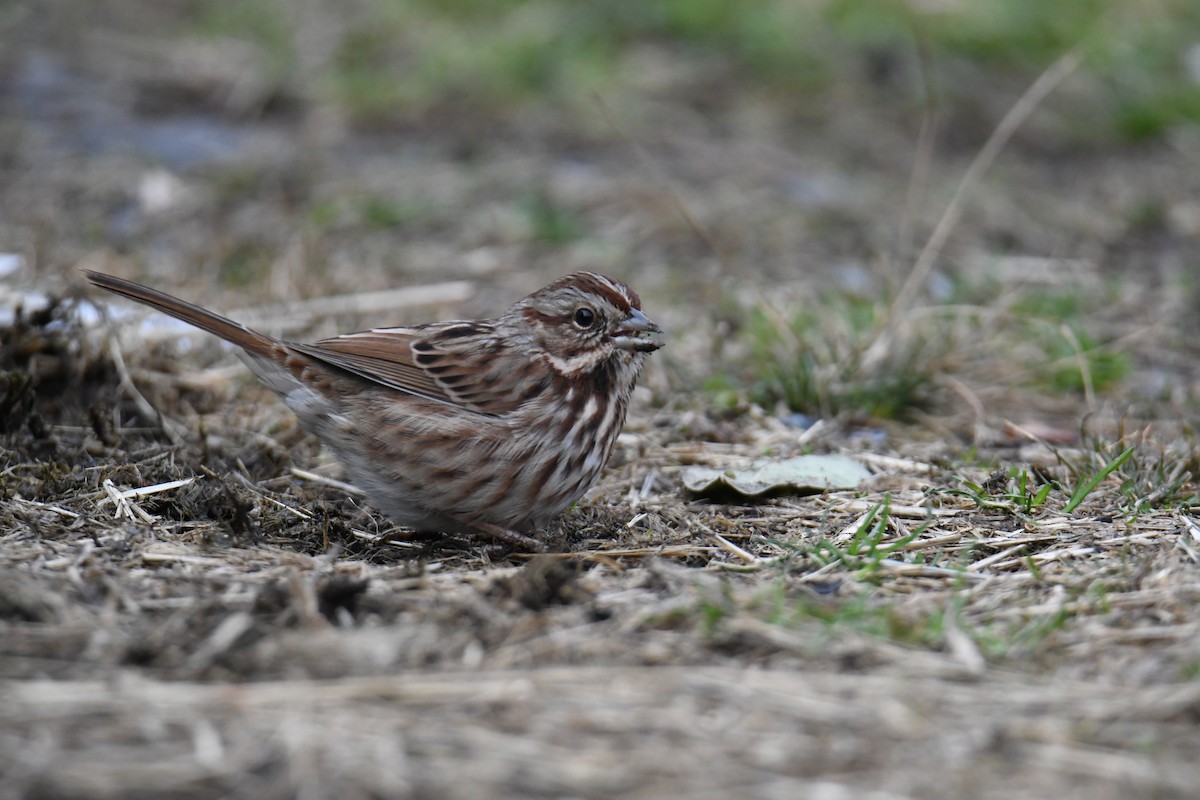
{"x":637,"y":333}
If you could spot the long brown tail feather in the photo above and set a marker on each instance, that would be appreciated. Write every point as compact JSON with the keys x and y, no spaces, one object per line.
{"x":249,"y":340}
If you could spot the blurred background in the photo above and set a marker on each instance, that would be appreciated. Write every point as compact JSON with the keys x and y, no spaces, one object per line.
{"x":765,"y":172}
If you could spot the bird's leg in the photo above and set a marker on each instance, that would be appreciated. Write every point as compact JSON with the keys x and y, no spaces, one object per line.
{"x":510,"y":537}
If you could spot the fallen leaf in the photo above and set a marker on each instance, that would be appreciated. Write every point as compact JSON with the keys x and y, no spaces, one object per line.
{"x":798,"y":475}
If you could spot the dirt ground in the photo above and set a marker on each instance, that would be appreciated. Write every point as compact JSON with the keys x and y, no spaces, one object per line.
{"x":192,"y":605}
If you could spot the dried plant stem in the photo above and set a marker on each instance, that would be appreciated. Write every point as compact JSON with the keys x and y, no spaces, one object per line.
{"x":669,"y":190}
{"x":1055,"y":74}
{"x":169,"y":427}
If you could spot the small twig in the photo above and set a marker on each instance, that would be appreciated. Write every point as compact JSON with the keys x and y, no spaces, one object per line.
{"x":388,"y":538}
{"x":333,"y":483}
{"x":143,"y":405}
{"x":661,"y":551}
{"x":668,"y":189}
{"x":996,"y":558}
{"x":912,"y":512}
{"x":125,"y":507}
{"x":47,"y":507}
{"x":648,"y":483}
{"x":725,"y":544}
{"x":926,"y":137}
{"x":1055,"y":74}
{"x":925,"y":570}
{"x":811,"y":432}
{"x":146,"y":491}
{"x":892,"y":464}
{"x":936,"y":541}
{"x":220,"y":640}
{"x":961,"y":645}
{"x":250,"y":486}
{"x":1193,"y":530}
{"x":1081,"y":361}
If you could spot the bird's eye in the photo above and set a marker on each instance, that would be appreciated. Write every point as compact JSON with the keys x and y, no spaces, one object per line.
{"x":584,"y":318}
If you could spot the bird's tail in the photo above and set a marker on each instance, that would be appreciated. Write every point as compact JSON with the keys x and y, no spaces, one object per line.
{"x":253,"y":342}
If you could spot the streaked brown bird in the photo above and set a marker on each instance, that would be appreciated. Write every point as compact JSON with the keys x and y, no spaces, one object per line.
{"x":490,"y":426}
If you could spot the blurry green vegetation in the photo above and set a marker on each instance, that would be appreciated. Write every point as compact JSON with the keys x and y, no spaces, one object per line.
{"x":1150,"y":477}
{"x":382,"y":213}
{"x":832,"y":617}
{"x":244,"y":264}
{"x":549,"y":221}
{"x":870,"y":545}
{"x":814,"y":361}
{"x":395,"y":58}
{"x":356,"y":211}
{"x":836,"y":354}
{"x":1021,"y":638}
{"x":1088,"y":481}
{"x":262,"y":22}
{"x":869,"y":613}
{"x":1020,"y":493}
{"x":866,"y":615}
{"x":1057,"y":320}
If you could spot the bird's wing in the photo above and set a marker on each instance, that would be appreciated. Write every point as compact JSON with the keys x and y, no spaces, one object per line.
{"x":459,"y":363}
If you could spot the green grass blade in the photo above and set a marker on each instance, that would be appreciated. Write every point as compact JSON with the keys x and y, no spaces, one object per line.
{"x":1085,"y":488}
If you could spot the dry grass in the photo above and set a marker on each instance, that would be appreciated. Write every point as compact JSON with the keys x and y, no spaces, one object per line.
{"x":193,"y":604}
{"x":172,"y":627}
{"x":604,"y":731}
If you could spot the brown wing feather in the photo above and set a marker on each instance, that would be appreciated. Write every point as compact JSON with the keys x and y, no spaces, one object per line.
{"x":380,"y":357}
{"x":454,"y":363}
